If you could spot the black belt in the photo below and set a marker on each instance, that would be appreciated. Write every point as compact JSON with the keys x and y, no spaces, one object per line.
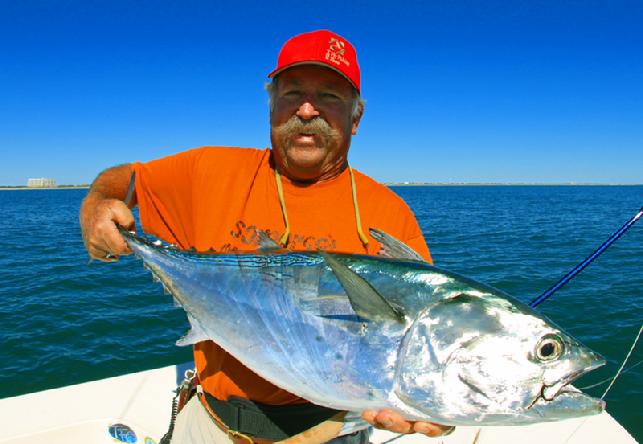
{"x":275,"y":422}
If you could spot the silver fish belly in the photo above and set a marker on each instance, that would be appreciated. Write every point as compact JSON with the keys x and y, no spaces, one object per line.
{"x":354,"y":332}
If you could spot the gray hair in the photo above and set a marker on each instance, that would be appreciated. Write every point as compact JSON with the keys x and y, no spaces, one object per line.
{"x":358,"y":102}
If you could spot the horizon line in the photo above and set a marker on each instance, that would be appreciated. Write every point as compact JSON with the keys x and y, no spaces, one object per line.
{"x":394,"y":183}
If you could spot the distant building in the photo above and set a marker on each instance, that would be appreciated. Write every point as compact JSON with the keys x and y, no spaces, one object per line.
{"x":41,"y":182}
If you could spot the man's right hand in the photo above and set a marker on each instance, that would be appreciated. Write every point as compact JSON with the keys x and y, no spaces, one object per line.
{"x":102,"y":210}
{"x":98,"y":222}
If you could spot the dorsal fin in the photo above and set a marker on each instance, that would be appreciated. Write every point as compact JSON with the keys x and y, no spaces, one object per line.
{"x":365,"y":300}
{"x":266,"y":244}
{"x":394,"y":248}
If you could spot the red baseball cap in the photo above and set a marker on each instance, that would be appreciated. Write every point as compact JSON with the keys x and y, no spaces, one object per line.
{"x":323,"y":48}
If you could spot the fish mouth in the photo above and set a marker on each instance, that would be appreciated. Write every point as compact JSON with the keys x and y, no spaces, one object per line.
{"x":557,"y":389}
{"x":569,"y":402}
{"x":549,"y":392}
{"x":563,"y":387}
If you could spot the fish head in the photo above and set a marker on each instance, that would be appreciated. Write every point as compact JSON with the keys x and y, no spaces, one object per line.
{"x":480,"y":357}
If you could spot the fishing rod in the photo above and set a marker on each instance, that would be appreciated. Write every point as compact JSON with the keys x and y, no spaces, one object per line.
{"x":569,"y":276}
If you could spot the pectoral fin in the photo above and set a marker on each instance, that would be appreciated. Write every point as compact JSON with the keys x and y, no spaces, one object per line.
{"x":394,"y":248}
{"x":365,"y":300}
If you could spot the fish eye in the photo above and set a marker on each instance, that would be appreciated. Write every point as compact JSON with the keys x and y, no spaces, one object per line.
{"x":549,"y":348}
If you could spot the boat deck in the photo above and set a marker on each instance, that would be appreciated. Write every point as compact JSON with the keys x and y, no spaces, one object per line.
{"x":85,"y":412}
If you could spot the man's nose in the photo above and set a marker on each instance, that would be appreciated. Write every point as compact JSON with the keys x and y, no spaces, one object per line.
{"x":307,"y":111}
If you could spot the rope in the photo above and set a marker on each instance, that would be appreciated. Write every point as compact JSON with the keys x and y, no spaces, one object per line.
{"x":571,"y":435}
{"x":587,"y":387}
{"x":618,"y":373}
{"x":568,"y":277}
{"x":358,"y":220}
{"x":284,"y":238}
{"x":395,"y":438}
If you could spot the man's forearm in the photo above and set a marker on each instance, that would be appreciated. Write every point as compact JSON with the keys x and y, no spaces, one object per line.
{"x":112,"y":183}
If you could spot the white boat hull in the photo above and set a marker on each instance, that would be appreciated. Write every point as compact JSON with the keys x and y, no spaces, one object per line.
{"x":84,"y":413}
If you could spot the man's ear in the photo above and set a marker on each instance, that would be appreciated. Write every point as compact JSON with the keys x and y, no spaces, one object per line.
{"x":356,"y":120}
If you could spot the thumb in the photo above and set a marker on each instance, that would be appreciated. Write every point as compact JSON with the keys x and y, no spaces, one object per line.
{"x":122,"y":215}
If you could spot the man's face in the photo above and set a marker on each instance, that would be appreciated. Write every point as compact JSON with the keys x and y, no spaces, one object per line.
{"x":311,"y":123}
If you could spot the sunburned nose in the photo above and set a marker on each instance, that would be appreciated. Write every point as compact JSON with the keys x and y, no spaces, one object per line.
{"x":307,"y":111}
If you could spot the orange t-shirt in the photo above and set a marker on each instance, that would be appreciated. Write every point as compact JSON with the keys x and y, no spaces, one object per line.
{"x":219,"y":197}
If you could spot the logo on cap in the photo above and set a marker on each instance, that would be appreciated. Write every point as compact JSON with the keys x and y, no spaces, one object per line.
{"x":335,"y":52}
{"x":337,"y":46}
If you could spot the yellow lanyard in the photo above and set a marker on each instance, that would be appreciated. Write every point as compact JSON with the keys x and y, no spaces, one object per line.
{"x":358,"y":221}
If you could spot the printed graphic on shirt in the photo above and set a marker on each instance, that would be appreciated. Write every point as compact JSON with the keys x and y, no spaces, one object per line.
{"x":249,"y":235}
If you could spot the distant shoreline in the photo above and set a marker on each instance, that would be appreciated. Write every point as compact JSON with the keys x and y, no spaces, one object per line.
{"x":395,"y":184}
{"x":471,"y":184}
{"x":64,"y":187}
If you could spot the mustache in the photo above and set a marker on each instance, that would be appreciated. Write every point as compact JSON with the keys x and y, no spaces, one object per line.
{"x":316,"y":126}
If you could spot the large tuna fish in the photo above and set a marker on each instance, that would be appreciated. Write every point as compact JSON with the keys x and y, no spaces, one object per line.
{"x":355,"y":332}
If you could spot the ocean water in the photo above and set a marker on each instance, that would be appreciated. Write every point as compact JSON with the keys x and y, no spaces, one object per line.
{"x":64,"y":320}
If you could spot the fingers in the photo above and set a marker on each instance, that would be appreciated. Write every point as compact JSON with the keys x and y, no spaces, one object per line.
{"x":100,"y":233}
{"x":394,"y":422}
{"x":432,"y":429}
{"x":388,"y":420}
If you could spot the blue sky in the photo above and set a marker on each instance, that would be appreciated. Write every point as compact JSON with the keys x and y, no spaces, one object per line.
{"x":456,"y":91}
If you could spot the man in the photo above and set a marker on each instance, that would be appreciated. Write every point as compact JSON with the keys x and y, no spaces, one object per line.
{"x":301,"y":192}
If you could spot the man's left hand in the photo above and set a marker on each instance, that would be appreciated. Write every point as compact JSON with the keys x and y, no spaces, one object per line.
{"x":392,"y":421}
